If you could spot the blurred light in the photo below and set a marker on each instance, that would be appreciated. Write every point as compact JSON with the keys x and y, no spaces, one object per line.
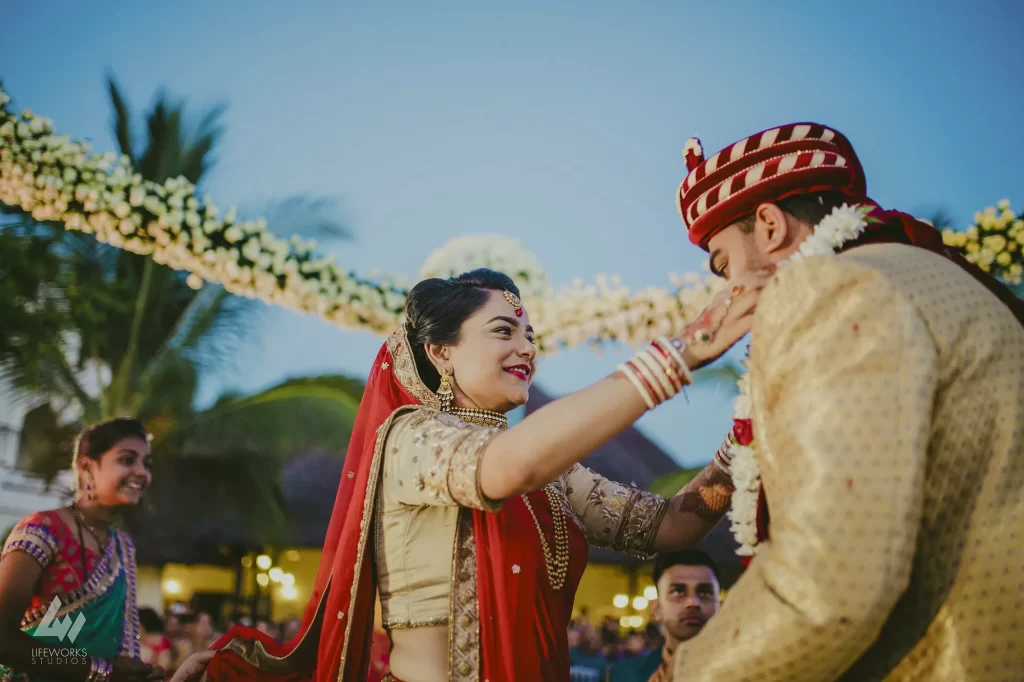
{"x":624,"y":621}
{"x":172,"y":587}
{"x":288,"y":580}
{"x":636,"y":621}
{"x":292,"y":555}
{"x":639,"y":603}
{"x":263,"y":562}
{"x":289,"y":592}
{"x":263,"y":579}
{"x":651,"y":592}
{"x":275,"y":574}
{"x":620,"y":601}
{"x":247,"y":561}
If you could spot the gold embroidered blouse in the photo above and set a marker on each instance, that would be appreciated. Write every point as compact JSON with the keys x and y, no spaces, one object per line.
{"x":431,"y":469}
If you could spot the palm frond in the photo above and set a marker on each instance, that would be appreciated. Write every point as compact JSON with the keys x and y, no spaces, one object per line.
{"x":315,"y":414}
{"x":307,"y":216}
{"x":197,"y":157}
{"x":121,"y":121}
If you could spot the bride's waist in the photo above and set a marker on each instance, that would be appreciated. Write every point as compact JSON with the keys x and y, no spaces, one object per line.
{"x":420,"y":654}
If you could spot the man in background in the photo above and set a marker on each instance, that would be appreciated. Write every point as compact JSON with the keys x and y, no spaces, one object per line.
{"x":688,"y":595}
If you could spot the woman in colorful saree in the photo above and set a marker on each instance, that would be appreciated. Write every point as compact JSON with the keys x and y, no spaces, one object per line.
{"x":67,"y":577}
{"x":473,"y":534}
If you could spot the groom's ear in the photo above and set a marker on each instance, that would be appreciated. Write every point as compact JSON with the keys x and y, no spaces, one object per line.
{"x":772,"y":228}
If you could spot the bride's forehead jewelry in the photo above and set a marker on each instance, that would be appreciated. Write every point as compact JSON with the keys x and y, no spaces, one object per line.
{"x":514,"y":301}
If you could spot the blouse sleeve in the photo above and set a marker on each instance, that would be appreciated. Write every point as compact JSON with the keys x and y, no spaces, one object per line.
{"x":615,"y":516}
{"x":33,"y":535}
{"x":432,"y":458}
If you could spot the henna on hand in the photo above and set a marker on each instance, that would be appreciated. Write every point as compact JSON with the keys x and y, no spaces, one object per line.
{"x":708,"y":495}
{"x":707,"y":324}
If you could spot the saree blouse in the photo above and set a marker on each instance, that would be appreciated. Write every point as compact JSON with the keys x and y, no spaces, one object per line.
{"x":48,"y":539}
{"x":431,"y":469}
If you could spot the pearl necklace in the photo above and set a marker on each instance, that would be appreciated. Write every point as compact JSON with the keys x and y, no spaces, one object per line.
{"x":558,"y":562}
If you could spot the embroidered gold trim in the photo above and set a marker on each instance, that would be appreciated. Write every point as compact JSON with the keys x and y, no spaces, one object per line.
{"x":405,"y":369}
{"x":464,"y":609}
{"x":407,"y":623}
{"x":366,"y":519}
{"x":35,"y":540}
{"x":640,"y":520}
{"x":130,"y":638}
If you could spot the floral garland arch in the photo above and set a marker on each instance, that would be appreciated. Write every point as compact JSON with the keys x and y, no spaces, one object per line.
{"x":57,"y":179}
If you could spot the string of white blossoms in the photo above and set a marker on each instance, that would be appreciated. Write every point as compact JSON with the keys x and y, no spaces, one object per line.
{"x":56,"y":179}
{"x":843,"y":225}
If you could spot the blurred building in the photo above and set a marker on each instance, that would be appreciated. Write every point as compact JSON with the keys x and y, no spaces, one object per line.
{"x":21,"y":493}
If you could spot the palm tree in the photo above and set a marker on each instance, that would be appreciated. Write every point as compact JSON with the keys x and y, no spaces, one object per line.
{"x":93,"y":332}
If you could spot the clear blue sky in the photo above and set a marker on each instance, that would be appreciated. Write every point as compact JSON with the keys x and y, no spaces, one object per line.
{"x":558,"y":123}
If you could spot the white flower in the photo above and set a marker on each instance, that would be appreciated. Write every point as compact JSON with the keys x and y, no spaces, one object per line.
{"x":493,"y":251}
{"x":194,"y":281}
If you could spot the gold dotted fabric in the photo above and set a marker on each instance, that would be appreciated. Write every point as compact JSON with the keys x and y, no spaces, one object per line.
{"x":888,"y":403}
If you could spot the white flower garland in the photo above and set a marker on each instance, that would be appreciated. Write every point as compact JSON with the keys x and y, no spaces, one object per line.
{"x":56,"y":179}
{"x":843,"y":225}
{"x":493,"y":251}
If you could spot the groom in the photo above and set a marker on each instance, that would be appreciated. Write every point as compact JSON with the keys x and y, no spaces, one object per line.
{"x":887,"y":401}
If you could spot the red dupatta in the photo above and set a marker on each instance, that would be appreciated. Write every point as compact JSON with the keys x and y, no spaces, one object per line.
{"x":507,"y":623}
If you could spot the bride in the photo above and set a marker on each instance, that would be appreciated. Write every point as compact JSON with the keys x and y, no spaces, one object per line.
{"x":475,"y":535}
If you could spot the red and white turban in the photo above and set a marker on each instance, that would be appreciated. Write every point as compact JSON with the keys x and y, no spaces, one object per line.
{"x":772,"y":165}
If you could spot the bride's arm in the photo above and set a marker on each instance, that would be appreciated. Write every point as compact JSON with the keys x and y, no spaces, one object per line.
{"x":695,"y":510}
{"x":552,"y":439}
{"x":626,"y":519}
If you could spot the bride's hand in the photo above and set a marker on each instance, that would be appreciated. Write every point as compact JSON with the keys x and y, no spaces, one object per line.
{"x":726,"y":320}
{"x":193,"y":666}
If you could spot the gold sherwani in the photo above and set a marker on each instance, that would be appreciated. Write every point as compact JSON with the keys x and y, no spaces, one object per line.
{"x":888,"y":407}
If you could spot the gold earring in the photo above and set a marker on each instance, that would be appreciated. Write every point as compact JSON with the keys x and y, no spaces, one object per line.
{"x":444,"y":391}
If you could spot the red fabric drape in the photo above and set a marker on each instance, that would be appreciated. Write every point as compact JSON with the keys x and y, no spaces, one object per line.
{"x":336,"y":575}
{"x":522,"y":619}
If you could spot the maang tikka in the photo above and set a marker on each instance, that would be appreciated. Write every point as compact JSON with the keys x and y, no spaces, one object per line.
{"x":444,"y":391}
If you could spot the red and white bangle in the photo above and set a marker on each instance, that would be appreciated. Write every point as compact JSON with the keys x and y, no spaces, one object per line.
{"x":723,"y":458}
{"x":658,"y":372}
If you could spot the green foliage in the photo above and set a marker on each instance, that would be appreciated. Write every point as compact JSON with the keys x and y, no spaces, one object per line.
{"x":99,"y":332}
{"x":670,"y":484}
